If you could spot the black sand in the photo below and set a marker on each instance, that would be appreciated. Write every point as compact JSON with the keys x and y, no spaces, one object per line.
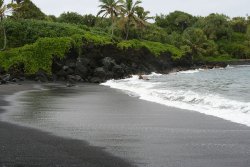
{"x":24,"y":147}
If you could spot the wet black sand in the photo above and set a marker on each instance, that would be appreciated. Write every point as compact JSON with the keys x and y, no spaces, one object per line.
{"x":24,"y":147}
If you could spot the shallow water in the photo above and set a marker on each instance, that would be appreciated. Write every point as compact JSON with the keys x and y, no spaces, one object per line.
{"x":224,"y":93}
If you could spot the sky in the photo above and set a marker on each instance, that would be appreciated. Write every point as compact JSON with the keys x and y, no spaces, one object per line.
{"x":231,"y":8}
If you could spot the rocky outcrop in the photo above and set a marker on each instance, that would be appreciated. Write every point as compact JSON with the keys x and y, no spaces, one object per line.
{"x":97,"y":64}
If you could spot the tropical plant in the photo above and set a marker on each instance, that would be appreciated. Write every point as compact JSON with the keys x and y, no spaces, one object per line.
{"x":129,"y":16}
{"x":4,"y":9}
{"x":195,"y":39}
{"x":239,"y":24}
{"x":215,"y":26}
{"x":143,"y":17}
{"x":112,"y":9}
{"x":176,"y":21}
{"x":28,"y":10}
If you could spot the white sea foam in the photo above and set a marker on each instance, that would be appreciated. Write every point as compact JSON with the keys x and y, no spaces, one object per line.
{"x":210,"y":104}
{"x":189,"y":71}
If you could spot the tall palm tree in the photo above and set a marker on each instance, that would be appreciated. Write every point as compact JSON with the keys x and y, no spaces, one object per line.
{"x":110,"y":8}
{"x":142,"y":14}
{"x":129,"y":14}
{"x":143,"y":18}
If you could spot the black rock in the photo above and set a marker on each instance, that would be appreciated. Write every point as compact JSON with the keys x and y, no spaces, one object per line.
{"x":41,"y":76}
{"x":70,"y":63}
{"x":108,"y":63}
{"x":81,"y":70}
{"x":61,"y":73}
{"x":69,"y":71}
{"x":100,"y":72}
{"x":14,"y":80}
{"x":6,"y":78}
{"x":118,"y":71}
{"x":74,"y":78}
{"x":78,"y":78}
{"x":83,"y":61}
{"x":2,"y":71}
{"x":96,"y":80}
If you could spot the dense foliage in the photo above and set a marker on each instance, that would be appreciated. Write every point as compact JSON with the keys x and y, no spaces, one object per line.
{"x":33,"y":38}
{"x":28,"y":31}
{"x":28,"y":10}
{"x":38,"y":55}
{"x":155,"y":48}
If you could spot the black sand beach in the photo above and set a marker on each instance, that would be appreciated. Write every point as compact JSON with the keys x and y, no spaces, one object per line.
{"x":163,"y":136}
{"x":25,"y":147}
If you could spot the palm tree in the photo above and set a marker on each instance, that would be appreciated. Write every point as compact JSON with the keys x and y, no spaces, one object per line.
{"x":129,"y":14}
{"x":143,"y":17}
{"x":5,"y":8}
{"x":110,"y":8}
{"x":142,"y":14}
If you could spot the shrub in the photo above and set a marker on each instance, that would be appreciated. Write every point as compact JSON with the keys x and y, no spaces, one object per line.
{"x":38,"y":55}
{"x":155,"y":48}
{"x":24,"y":32}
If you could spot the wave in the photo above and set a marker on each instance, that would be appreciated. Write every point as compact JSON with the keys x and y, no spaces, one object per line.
{"x":189,"y":71}
{"x":209,"y":104}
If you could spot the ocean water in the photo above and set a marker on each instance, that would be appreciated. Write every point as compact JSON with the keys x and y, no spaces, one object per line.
{"x":224,"y":93}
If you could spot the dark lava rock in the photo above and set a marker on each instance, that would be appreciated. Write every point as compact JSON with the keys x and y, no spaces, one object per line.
{"x":118,"y":71}
{"x":96,"y":80}
{"x":74,"y":78}
{"x":5,"y":79}
{"x":69,"y":71}
{"x":78,"y":78}
{"x":41,"y":76}
{"x":81,"y":70}
{"x":2,"y":71}
{"x":84,"y":61}
{"x":71,"y":63}
{"x":61,"y":73}
{"x":108,"y":63}
{"x":100,"y":72}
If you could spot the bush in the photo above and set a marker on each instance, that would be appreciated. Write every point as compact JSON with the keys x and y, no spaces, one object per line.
{"x":75,"y":18}
{"x":221,"y":58}
{"x":155,"y":48}
{"x":24,"y":32}
{"x":38,"y":55}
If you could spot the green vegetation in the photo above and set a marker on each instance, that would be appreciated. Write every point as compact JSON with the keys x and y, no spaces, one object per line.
{"x":5,"y":8}
{"x":155,"y":48}
{"x":24,"y":31}
{"x":28,"y":10}
{"x":38,"y":55}
{"x":33,"y":38}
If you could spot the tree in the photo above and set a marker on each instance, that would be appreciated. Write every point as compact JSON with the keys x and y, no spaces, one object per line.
{"x":112,"y":9}
{"x":239,"y":24}
{"x":143,"y":17}
{"x":198,"y":43}
{"x":4,"y":9}
{"x":176,"y":21}
{"x":215,"y":26}
{"x":129,"y":17}
{"x":28,"y":10}
{"x":142,"y":14}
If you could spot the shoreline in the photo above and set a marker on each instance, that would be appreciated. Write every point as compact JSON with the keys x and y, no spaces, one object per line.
{"x":27,"y":147}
